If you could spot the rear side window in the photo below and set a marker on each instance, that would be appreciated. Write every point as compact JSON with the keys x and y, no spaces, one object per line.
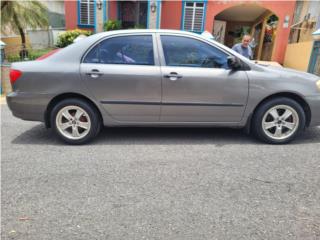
{"x":132,"y":50}
{"x":189,"y":52}
{"x":93,"y":55}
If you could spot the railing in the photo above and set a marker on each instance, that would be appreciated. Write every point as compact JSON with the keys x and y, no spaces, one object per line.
{"x":15,"y":53}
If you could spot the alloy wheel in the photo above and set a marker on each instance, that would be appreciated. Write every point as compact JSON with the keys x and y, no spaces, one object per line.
{"x":280,"y":122}
{"x":73,"y":122}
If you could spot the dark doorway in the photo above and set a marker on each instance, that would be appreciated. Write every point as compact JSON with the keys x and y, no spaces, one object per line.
{"x":133,"y":14}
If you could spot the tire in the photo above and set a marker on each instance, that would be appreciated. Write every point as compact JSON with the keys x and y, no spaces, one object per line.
{"x":272,"y":122}
{"x":75,"y":121}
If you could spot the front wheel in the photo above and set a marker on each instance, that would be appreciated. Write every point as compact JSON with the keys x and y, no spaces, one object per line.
{"x":278,"y":121}
{"x":75,"y":121}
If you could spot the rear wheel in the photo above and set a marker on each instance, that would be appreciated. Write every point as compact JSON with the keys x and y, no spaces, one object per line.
{"x":278,"y":121}
{"x":75,"y":121}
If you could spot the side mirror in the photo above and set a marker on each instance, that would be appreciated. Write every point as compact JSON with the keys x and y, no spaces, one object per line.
{"x":234,"y":63}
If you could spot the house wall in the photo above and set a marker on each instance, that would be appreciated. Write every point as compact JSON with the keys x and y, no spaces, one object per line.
{"x":171,"y":17}
{"x":298,"y":55}
{"x":113,"y":10}
{"x":13,"y":44}
{"x":303,"y":31}
{"x":54,"y":6}
{"x":171,"y":14}
{"x":5,"y":79}
{"x":280,"y":8}
{"x":71,"y":13}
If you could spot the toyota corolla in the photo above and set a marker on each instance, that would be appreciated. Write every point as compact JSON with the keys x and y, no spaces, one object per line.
{"x":161,"y":78}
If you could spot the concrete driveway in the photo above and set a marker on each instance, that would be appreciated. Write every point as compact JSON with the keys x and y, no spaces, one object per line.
{"x":157,"y":183}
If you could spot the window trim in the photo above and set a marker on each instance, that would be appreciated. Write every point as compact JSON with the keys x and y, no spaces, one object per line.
{"x":154,"y":47}
{"x":184,"y":2}
{"x":81,"y":25}
{"x":161,"y":51}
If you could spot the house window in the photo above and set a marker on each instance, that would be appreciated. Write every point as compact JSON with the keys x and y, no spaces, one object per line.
{"x":193,"y":16}
{"x":86,"y":12}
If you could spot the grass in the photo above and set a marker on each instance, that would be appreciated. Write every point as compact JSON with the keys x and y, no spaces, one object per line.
{"x":33,"y":54}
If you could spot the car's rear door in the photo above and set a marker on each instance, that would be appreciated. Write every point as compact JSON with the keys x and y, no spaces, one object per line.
{"x":123,"y":73}
{"x":197,"y":84}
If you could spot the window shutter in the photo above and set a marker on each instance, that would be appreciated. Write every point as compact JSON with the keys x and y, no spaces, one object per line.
{"x":188,"y":16}
{"x":197,"y":25}
{"x":193,"y":16}
{"x":87,"y":12}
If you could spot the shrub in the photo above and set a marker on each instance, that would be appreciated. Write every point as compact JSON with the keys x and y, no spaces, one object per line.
{"x":139,"y":26}
{"x":66,"y":38}
{"x":112,"y":25}
{"x":13,"y":58}
{"x":32,"y":55}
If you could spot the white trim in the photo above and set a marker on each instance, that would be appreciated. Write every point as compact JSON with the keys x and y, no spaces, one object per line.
{"x":90,"y":4}
{"x":193,"y":8}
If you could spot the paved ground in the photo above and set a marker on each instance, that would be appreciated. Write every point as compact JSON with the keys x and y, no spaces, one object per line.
{"x":149,"y":183}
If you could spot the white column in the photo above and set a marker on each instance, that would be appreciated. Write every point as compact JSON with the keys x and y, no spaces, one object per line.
{"x":154,"y":10}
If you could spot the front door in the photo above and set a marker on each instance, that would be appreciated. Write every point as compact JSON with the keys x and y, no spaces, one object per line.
{"x":125,"y":78}
{"x":133,"y":14}
{"x":197,"y":84}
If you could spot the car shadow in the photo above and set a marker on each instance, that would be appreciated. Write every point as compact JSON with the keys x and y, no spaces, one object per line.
{"x":160,"y":135}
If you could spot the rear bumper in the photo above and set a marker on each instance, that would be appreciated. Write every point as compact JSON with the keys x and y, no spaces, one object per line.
{"x":314,"y":104}
{"x":28,"y":106}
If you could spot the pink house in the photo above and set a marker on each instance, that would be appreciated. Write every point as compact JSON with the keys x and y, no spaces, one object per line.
{"x":267,"y":21}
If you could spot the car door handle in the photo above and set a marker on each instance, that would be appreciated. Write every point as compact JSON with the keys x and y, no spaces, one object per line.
{"x":94,"y":73}
{"x":173,"y":76}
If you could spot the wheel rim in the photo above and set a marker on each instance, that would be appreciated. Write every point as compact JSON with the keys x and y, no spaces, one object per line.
{"x":73,"y":122}
{"x":280,"y":122}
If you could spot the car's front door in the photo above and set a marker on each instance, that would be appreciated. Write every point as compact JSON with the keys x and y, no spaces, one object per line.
{"x":197,"y":84}
{"x":125,"y":77}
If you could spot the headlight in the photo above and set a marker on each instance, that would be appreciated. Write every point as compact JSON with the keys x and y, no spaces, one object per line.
{"x":318,"y":84}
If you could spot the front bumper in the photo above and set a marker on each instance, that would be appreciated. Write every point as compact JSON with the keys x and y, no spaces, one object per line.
{"x":28,"y":106}
{"x":314,"y":104}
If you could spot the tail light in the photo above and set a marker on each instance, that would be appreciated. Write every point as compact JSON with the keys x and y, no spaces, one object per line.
{"x":14,"y":75}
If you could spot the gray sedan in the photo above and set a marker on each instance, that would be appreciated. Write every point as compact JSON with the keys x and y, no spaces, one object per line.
{"x":161,"y":78}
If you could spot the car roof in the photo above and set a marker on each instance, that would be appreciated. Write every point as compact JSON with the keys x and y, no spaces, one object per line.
{"x":139,"y":31}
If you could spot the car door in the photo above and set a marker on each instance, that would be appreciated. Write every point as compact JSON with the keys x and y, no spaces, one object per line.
{"x":123,"y":73}
{"x":197,"y":84}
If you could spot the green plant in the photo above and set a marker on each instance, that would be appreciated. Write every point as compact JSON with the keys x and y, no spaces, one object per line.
{"x":139,"y":26}
{"x":18,"y":15}
{"x":112,"y":25}
{"x":66,"y":38}
{"x":13,"y":58}
{"x":33,"y":54}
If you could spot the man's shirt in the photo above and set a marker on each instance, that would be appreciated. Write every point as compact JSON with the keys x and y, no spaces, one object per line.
{"x":244,"y":51}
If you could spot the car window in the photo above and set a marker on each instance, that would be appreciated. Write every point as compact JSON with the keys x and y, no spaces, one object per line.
{"x":134,"y":50}
{"x":188,"y":52}
{"x":93,"y":55}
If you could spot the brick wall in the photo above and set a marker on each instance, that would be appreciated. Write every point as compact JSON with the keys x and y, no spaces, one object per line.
{"x":5,"y":80}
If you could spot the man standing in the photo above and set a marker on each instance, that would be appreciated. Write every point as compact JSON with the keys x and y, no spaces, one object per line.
{"x":243,"y":48}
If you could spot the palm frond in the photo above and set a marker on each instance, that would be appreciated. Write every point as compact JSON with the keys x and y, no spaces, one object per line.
{"x":29,"y":14}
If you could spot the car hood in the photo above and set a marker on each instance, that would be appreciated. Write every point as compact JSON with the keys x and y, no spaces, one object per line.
{"x":291,"y":73}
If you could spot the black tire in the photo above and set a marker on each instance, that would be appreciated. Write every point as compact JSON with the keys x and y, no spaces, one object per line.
{"x":92,"y":113}
{"x":257,"y":120}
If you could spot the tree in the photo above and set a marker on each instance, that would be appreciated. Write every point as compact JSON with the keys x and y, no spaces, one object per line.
{"x":19,"y":15}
